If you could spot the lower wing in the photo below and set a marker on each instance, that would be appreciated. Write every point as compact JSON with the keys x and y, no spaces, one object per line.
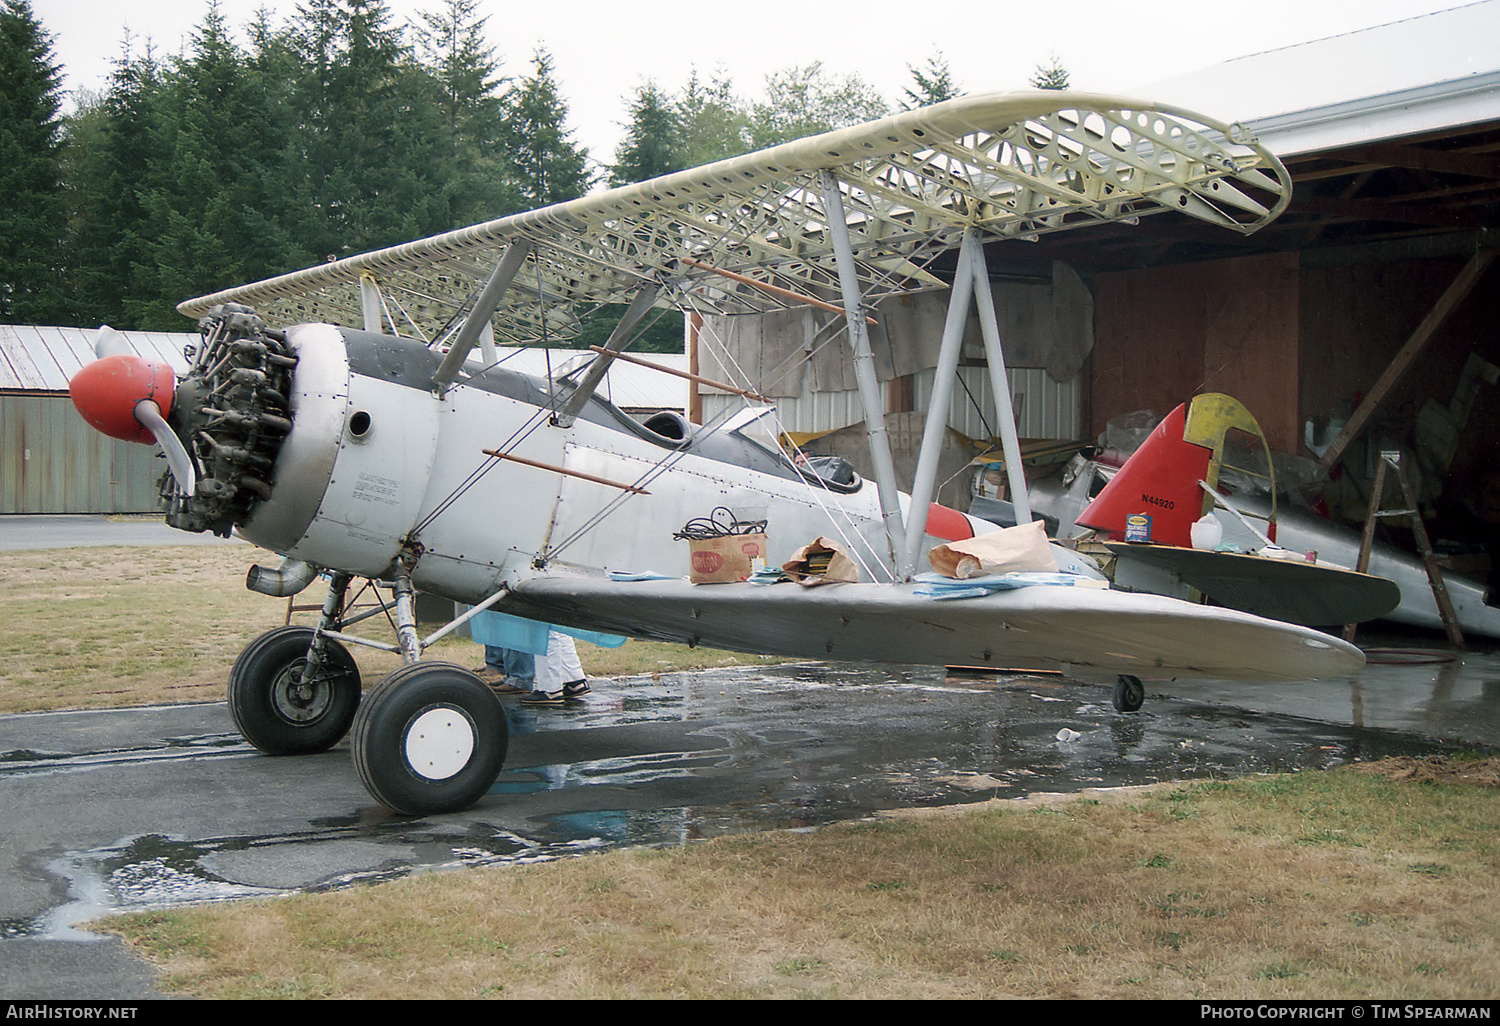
{"x":1084,"y":632}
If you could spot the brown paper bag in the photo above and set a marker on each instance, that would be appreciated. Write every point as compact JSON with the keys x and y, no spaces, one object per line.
{"x":1019,"y":549}
{"x":724,"y":560}
{"x":841,"y":566}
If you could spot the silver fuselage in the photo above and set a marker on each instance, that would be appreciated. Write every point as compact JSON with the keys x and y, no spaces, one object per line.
{"x":377,"y":461}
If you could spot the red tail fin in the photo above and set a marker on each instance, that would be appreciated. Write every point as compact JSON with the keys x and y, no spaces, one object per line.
{"x":1160,"y":480}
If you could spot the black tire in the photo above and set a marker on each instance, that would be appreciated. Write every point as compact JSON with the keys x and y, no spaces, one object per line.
{"x":430,"y":738}
{"x":1129,"y":693}
{"x":272,"y":712}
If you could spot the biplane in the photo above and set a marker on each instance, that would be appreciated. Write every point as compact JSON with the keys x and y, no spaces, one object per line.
{"x":354,"y":418}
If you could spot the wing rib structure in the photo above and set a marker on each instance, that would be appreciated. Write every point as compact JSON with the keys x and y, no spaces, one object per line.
{"x":1010,"y":165}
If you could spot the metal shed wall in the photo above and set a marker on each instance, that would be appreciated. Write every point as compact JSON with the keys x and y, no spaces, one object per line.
{"x":43,"y":358}
{"x":53,"y":462}
{"x":1044,"y":408}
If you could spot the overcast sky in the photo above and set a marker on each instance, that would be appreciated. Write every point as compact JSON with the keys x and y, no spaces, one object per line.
{"x":602,"y":51}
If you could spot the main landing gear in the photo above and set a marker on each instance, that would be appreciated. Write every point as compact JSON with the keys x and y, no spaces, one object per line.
{"x":284,"y":706}
{"x":429,"y":737}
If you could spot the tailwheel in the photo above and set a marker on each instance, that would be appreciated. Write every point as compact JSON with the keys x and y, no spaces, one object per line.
{"x":275,"y":710}
{"x":1129,"y":693}
{"x":430,"y":738}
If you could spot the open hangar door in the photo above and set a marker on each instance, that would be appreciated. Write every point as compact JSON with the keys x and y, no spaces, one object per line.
{"x":1366,"y":318}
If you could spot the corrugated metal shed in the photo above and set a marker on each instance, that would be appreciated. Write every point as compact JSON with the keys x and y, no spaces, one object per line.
{"x":1044,"y":408}
{"x":1041,"y":323}
{"x":51,"y":461}
{"x":42,"y":359}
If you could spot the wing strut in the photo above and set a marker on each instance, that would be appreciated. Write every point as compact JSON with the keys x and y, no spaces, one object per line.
{"x":618,"y":339}
{"x":484,"y":308}
{"x":1010,"y":443}
{"x":369,"y":303}
{"x":970,"y":282}
{"x":864,"y":363}
{"x":925,"y":480}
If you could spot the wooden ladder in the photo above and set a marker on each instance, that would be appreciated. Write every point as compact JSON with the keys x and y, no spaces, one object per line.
{"x":1392,"y":458}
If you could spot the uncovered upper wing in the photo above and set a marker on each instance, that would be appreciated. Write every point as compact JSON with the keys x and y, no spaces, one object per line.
{"x":1012,"y":165}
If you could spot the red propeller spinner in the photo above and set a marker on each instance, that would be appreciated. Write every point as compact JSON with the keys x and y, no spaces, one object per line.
{"x":128,"y":397}
{"x":107,"y":391}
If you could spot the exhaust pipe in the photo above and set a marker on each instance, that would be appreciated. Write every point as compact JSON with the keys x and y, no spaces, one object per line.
{"x":291,"y":577}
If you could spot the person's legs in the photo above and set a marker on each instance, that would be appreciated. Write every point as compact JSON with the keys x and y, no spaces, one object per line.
{"x":561,"y":675}
{"x":520,"y":669}
{"x":493,"y":670}
{"x":562,"y":653}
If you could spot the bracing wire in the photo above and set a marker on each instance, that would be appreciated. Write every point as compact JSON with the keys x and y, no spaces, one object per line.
{"x":544,"y":415}
{"x":823,"y":336}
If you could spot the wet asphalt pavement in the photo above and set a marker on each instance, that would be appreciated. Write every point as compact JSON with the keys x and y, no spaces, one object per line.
{"x":169,"y":805}
{"x":133,"y":809}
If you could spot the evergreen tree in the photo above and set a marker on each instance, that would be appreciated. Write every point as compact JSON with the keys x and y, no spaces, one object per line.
{"x":1051,"y":75}
{"x":268,"y":153}
{"x":465,"y":72}
{"x":211,"y":205}
{"x":377,"y":164}
{"x":712,"y":123}
{"x":33,"y":218}
{"x":548,"y":166}
{"x":120,"y":147}
{"x":369,"y":134}
{"x":184,"y":180}
{"x":314,"y":43}
{"x":931,"y":84}
{"x":806,"y":101}
{"x":454,"y":52}
{"x":230,"y":165}
{"x":651,"y":146}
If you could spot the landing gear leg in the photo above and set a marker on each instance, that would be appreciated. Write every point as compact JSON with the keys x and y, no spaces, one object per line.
{"x":1129,"y":693}
{"x":406,"y":609}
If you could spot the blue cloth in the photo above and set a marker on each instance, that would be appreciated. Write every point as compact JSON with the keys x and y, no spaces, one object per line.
{"x":943,"y":588}
{"x":505,"y":631}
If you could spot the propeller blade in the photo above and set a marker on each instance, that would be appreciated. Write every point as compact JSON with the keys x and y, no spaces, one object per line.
{"x":149,"y":414}
{"x":109,"y":342}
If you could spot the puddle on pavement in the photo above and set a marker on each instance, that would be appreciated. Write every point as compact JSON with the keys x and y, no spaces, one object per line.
{"x":25,"y":762}
{"x":152,"y":871}
{"x":789,"y":746}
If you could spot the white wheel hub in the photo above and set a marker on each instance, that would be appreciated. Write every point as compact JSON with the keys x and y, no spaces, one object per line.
{"x":439,"y":743}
